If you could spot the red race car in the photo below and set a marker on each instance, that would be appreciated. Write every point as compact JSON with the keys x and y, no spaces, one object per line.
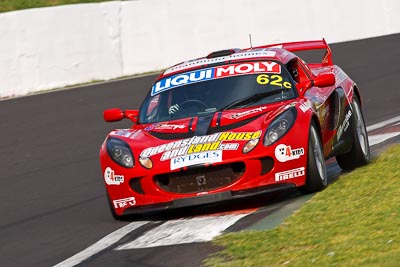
{"x":235,"y":123}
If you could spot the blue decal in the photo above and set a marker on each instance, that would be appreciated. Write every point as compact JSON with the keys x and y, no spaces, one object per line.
{"x":182,"y":79}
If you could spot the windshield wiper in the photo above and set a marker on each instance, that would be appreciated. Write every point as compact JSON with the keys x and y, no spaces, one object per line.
{"x":251,"y":99}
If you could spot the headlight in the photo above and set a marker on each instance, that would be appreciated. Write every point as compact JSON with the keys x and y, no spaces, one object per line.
{"x":280,"y":126}
{"x":120,"y":152}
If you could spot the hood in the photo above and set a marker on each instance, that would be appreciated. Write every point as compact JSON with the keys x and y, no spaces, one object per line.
{"x":244,"y":119}
{"x":207,"y":139}
{"x":218,"y":121}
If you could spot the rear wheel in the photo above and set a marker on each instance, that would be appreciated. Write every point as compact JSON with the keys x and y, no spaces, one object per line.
{"x":359,"y":153}
{"x":316,"y":178}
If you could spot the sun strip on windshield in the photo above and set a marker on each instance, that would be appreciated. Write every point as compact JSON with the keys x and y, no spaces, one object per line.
{"x":214,"y":73}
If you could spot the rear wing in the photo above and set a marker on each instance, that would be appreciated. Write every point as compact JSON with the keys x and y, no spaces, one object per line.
{"x":304,"y":46}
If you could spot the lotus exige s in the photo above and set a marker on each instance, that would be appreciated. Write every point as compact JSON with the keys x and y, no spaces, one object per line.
{"x":232,"y":124}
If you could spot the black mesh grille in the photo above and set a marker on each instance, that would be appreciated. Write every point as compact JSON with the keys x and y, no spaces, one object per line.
{"x":200,"y":179}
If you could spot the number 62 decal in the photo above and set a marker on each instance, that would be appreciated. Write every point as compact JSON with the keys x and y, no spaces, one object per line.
{"x":275,"y":80}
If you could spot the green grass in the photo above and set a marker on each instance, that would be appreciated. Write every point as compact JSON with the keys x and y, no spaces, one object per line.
{"x":11,"y":5}
{"x":354,"y":222}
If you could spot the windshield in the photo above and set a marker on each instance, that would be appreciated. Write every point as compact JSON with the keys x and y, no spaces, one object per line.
{"x":206,"y":91}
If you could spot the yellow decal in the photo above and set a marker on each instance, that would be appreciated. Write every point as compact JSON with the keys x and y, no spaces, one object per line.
{"x":275,"y":80}
{"x":197,"y":144}
{"x":231,"y":136}
{"x":203,"y":147}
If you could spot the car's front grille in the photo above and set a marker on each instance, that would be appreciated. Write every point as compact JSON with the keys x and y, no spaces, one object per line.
{"x":200,"y":179}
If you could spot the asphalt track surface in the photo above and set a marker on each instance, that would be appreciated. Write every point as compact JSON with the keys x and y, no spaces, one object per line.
{"x":52,"y":195}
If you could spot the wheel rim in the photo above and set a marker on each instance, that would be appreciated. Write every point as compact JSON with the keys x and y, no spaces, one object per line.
{"x":318,"y":156}
{"x":361,"y":130}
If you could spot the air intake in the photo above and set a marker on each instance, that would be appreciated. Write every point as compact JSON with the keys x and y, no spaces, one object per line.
{"x":223,"y":53}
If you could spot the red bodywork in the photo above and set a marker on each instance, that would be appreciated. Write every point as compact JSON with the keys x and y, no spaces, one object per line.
{"x":324,"y":95}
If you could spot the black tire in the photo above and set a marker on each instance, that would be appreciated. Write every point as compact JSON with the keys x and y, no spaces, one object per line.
{"x":316,"y":176}
{"x":359,"y":153}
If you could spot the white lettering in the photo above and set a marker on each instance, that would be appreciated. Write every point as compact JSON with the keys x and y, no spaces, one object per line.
{"x":244,"y":68}
{"x":209,"y":73}
{"x":167,"y":83}
{"x":345,"y":125}
{"x":193,"y":78}
{"x":221,"y":70}
{"x":269,"y":65}
{"x":158,"y":87}
{"x":180,"y":79}
{"x":290,"y":174}
{"x":121,"y":203}
{"x":246,"y":113}
{"x":305,"y":106}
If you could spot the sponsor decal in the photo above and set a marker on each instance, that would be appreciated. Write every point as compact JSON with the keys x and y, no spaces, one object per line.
{"x":285,"y":153}
{"x":290,"y":174}
{"x":124,"y":202}
{"x":122,"y":132}
{"x":135,"y":134}
{"x":305,"y":106}
{"x":125,"y":133}
{"x":339,"y":75}
{"x":206,"y":61}
{"x":197,"y":158}
{"x":214,"y":73}
{"x":229,"y":146}
{"x":164,"y":126}
{"x":247,"y":68}
{"x":196,"y":144}
{"x":246,"y":113}
{"x":276,"y":80}
{"x":111,"y":178}
{"x":345,"y":124}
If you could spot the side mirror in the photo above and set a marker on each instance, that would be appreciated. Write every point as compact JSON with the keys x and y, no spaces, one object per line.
{"x":325,"y":80}
{"x":117,"y":114}
{"x":114,"y":114}
{"x":322,"y":80}
{"x":132,"y":115}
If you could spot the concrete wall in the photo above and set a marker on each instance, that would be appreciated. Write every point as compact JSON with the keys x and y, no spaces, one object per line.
{"x":54,"y":47}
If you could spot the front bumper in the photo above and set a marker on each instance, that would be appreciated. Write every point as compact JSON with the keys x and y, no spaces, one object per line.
{"x":207,"y":199}
{"x":264,"y":169}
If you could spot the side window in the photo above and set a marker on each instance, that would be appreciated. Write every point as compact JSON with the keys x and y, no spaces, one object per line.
{"x":297,"y":70}
{"x":292,"y":67}
{"x":152,"y":107}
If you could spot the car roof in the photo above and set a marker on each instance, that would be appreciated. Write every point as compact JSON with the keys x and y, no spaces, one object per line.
{"x":231,"y":56}
{"x":282,"y":52}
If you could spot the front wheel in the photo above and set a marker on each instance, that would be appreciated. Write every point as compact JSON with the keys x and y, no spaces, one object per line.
{"x":317,"y":178}
{"x":359,"y":153}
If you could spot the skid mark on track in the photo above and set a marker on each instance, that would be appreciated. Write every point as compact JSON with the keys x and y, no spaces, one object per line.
{"x":173,"y":232}
{"x":183,"y":231}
